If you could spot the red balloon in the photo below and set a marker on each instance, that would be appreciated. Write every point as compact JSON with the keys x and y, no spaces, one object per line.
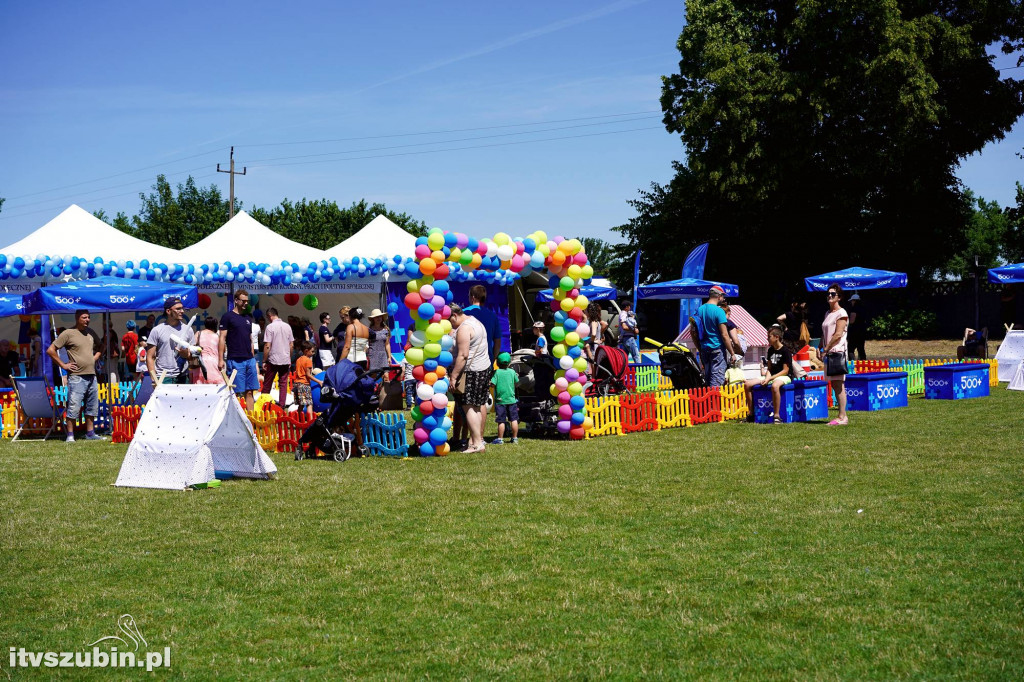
{"x":418,"y":372}
{"x":412,"y":301}
{"x":427,"y":407}
{"x":204,"y":301}
{"x":291,"y":299}
{"x":441,"y":272}
{"x":576,"y":314}
{"x":577,"y":433}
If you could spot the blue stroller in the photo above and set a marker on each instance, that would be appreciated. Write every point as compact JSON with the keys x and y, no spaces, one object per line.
{"x":348,"y":390}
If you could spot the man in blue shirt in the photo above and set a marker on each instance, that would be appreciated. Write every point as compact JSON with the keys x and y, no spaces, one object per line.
{"x":716,"y":351}
{"x":236,"y":346}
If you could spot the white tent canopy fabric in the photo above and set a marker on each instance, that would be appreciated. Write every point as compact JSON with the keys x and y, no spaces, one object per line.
{"x":186,"y":434}
{"x":1010,"y":354}
{"x":243,"y":239}
{"x":378,"y":237}
{"x":79,"y":233}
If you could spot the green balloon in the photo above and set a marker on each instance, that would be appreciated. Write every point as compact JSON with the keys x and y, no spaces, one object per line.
{"x":416,"y":414}
{"x":558,"y":334}
{"x":310,"y":302}
{"x":566,"y":284}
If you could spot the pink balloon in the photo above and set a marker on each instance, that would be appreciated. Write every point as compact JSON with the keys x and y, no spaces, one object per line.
{"x":482,"y":249}
{"x":558,"y":240}
{"x":580,"y":259}
{"x":436,"y":317}
{"x":520,"y":249}
{"x":564,"y":411}
{"x":561,"y":383}
{"x":517,"y":263}
{"x":440,"y":401}
{"x":422,"y":251}
{"x":420,"y":435}
{"x":427,"y":292}
{"x":573,"y":293}
{"x":446,"y":312}
{"x":564,"y":397}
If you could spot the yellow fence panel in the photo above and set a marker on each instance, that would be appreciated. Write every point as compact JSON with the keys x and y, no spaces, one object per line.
{"x":734,"y":402}
{"x":673,"y":409}
{"x":607,"y":417}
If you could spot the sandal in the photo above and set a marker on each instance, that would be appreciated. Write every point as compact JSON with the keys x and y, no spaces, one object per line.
{"x":839,"y":422}
{"x":777,"y":421}
{"x":469,"y":451}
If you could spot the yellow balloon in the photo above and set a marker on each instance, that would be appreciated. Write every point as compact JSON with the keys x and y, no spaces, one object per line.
{"x":580,"y":364}
{"x":567,"y":304}
{"x":543,"y":248}
{"x":432,"y":350}
{"x":446,"y":325}
{"x":501,"y":239}
{"x":477,"y":259}
{"x":558,"y":375}
{"x":574,"y":271}
{"x":542,"y":237}
{"x":554,"y":391}
{"x":582,"y":302}
{"x":411,"y":286}
{"x":559,"y":294}
{"x":572,"y":339}
{"x":414,"y":356}
{"x":435,"y":241}
{"x":588,"y":423}
{"x":566,"y":248}
{"x":586,"y":272}
{"x":456,"y":254}
{"x":575,"y":246}
{"x":558,"y":350}
{"x":575,"y":388}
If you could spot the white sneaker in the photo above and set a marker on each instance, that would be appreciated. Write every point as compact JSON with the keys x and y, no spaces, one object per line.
{"x":69,"y":439}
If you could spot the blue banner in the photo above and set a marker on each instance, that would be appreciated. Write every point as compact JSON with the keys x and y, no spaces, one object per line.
{"x":636,"y":277}
{"x":107,"y":294}
{"x":693,"y":268}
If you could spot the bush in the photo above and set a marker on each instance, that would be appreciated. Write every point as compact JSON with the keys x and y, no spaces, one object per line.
{"x":904,"y":324}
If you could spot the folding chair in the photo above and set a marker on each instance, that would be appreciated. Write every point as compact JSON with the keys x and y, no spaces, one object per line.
{"x":36,"y":402}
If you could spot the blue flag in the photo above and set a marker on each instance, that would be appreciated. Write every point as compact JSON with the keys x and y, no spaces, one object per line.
{"x":636,"y":277}
{"x":693,"y":268}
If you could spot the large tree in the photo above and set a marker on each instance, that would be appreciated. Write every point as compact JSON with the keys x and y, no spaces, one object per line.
{"x":821,"y":134}
{"x":177,"y":220}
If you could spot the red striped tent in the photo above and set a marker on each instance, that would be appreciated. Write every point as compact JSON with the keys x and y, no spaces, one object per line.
{"x":754,"y":332}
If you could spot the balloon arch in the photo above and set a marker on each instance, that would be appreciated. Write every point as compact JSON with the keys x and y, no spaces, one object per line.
{"x":430,"y":347}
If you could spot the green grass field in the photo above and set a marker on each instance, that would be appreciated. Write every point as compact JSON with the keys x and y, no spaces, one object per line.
{"x":887,"y":549}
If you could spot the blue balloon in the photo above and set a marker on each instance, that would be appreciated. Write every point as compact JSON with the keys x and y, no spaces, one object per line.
{"x":574,"y":352}
{"x":439,"y":436}
{"x":577,"y":418}
{"x":450,"y":240}
{"x":570,"y":324}
{"x":577,"y":402}
{"x":421,"y":241}
{"x":441,"y":386}
{"x":440,"y":286}
{"x":561,"y":317}
{"x":427,"y":450}
{"x":426,"y":311}
{"x":473,"y":244}
{"x":430,"y":422}
{"x":529,"y":245}
{"x":554,"y":281}
{"x":430,"y":365}
{"x":392,"y":308}
{"x":445,"y":358}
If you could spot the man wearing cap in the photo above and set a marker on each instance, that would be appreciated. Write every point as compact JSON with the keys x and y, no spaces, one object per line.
{"x":164,"y":355}
{"x":716,"y":350}
{"x":628,"y":331}
{"x":129,"y":350}
{"x":83,"y":349}
{"x":540,"y":345}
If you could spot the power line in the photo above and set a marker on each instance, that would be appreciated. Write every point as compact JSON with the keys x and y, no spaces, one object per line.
{"x":463,"y":139}
{"x":454,"y":149}
{"x":115,"y":175}
{"x":446,"y":132}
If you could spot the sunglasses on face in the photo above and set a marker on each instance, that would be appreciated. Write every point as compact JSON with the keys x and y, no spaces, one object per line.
{"x":833,"y":294}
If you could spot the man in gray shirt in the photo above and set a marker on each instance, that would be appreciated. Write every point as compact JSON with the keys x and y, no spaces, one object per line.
{"x":165,"y":356}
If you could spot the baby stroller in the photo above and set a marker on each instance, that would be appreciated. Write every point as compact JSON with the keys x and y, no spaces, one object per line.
{"x":679,"y":365}
{"x":538,"y":411}
{"x":348,"y":390}
{"x":610,"y":367}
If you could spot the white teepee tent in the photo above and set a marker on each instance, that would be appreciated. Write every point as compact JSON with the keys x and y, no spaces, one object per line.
{"x":186,"y":434}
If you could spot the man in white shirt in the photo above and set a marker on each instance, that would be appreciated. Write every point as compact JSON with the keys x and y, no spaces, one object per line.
{"x":277,"y":346}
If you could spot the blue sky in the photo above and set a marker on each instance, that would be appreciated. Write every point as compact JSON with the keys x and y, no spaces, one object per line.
{"x":555,"y":104}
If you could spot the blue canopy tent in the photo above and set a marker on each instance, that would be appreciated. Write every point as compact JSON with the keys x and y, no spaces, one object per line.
{"x":108,"y":295}
{"x":1007,"y":274}
{"x":102,"y":294}
{"x":682,"y":288}
{"x":11,"y":304}
{"x":857,"y":278}
{"x":593,"y":293}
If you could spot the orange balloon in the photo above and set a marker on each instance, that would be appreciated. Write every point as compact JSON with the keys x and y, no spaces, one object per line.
{"x":438,"y":256}
{"x":430,"y":378}
{"x":427,"y":266}
{"x":441,"y":372}
{"x":558,"y":258}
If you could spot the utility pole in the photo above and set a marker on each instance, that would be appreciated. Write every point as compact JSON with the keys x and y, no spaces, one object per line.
{"x":231,"y":210}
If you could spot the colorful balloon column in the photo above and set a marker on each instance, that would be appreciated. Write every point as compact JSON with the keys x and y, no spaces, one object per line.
{"x":430,"y":346}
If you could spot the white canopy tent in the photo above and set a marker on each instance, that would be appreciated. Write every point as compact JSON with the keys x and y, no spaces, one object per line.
{"x":79,"y":233}
{"x":243,"y":239}
{"x":378,"y":237}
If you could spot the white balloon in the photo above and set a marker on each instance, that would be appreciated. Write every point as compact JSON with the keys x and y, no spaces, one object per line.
{"x":565,"y":362}
{"x":425,"y":391}
{"x":447,"y":342}
{"x":418,"y":338}
{"x":506,"y":252}
{"x":492,"y":249}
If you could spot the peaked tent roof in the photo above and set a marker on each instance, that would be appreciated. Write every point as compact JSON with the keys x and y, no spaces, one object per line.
{"x":379,"y":236}
{"x":243,"y":239}
{"x":755,"y":332}
{"x":79,"y":233}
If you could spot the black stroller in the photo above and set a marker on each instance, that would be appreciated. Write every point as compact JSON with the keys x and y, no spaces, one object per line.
{"x":348,"y":390}
{"x":679,"y":365}
{"x":538,"y":410}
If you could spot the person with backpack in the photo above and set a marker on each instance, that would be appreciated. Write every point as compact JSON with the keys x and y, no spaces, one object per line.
{"x":712,"y":338}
